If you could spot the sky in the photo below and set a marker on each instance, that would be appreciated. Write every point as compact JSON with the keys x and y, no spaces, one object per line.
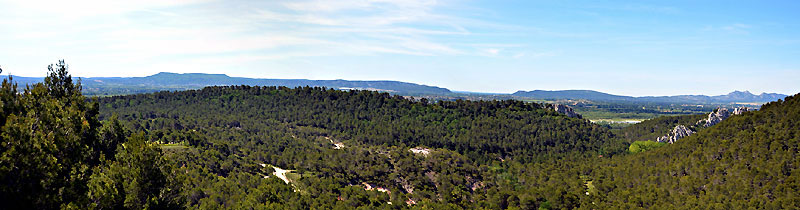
{"x":637,"y":48}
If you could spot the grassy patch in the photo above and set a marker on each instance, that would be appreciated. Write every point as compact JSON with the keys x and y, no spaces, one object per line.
{"x":172,"y":147}
{"x":587,"y":181}
{"x":642,"y":146}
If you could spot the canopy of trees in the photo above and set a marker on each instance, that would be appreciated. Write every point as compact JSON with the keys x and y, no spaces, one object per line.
{"x":243,"y":147}
{"x":52,"y":148}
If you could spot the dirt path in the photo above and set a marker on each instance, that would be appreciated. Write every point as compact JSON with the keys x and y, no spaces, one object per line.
{"x":280,"y":173}
{"x":336,"y":145}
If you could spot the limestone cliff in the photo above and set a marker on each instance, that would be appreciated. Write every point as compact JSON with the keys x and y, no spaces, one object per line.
{"x":564,"y":109}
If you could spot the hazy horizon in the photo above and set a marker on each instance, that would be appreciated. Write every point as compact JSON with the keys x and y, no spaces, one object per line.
{"x":471,"y":92}
{"x":616,"y":47}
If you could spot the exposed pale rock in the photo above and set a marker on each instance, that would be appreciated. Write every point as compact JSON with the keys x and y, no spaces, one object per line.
{"x":564,"y":109}
{"x":715,"y":117}
{"x":336,"y":144}
{"x":420,"y":150}
{"x":678,"y":132}
{"x":369,"y":187}
{"x":740,"y":110}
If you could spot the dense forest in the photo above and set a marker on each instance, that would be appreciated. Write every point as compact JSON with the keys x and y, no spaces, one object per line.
{"x":748,"y":160}
{"x":256,"y":147}
{"x":473,"y":145}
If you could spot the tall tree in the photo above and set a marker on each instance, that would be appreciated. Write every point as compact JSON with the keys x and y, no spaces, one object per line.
{"x":46,"y":138}
{"x":137,"y":179}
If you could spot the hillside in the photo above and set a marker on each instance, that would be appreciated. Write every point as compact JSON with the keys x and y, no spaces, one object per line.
{"x":243,"y":147}
{"x":472,"y":144}
{"x":746,"y":160}
{"x":246,"y":147}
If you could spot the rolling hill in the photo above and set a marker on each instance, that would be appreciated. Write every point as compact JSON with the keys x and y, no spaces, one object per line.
{"x":187,"y":81}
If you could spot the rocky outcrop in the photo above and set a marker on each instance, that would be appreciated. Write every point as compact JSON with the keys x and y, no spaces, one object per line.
{"x":420,"y":150}
{"x":564,"y":109}
{"x":721,"y":114}
{"x":740,"y":110}
{"x":678,"y":132}
{"x":715,"y":117}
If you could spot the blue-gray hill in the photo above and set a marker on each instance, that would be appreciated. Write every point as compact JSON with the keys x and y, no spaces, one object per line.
{"x":736,"y":96}
{"x":175,"y":81}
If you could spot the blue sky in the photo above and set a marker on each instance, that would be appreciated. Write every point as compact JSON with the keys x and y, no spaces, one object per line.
{"x":622,"y":47}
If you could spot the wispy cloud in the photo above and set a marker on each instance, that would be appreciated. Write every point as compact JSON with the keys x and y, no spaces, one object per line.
{"x":384,"y":26}
{"x":146,"y":31}
{"x":737,"y":28}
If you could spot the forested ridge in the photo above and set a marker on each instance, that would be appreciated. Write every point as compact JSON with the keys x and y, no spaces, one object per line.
{"x":748,"y":160}
{"x":482,"y":130}
{"x":474,"y":143}
{"x":251,"y":147}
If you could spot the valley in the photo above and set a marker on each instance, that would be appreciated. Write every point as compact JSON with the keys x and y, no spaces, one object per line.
{"x":314,"y":147}
{"x":399,"y":104}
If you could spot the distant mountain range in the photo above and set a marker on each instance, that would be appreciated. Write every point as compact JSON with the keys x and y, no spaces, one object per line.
{"x":736,"y":96}
{"x":175,"y":81}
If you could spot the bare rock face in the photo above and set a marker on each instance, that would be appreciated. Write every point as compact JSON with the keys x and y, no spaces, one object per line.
{"x":420,"y":150}
{"x":715,"y":117}
{"x":566,"y":110}
{"x":678,"y":132}
{"x":740,"y":110}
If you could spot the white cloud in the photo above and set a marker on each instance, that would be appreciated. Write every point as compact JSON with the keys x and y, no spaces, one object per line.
{"x":340,"y":5}
{"x":131,"y":33}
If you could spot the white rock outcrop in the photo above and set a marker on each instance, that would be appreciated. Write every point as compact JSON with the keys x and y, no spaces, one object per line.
{"x":420,"y":150}
{"x":566,"y":110}
{"x":678,"y":132}
{"x":740,"y":110}
{"x":715,"y":117}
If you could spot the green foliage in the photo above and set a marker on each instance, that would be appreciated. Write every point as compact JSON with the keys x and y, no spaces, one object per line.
{"x":641,"y":146}
{"x":137,"y":179}
{"x":231,"y":131}
{"x":746,"y":161}
{"x":214,"y":149}
{"x":482,"y":130}
{"x":47,"y":131}
{"x":50,"y":141}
